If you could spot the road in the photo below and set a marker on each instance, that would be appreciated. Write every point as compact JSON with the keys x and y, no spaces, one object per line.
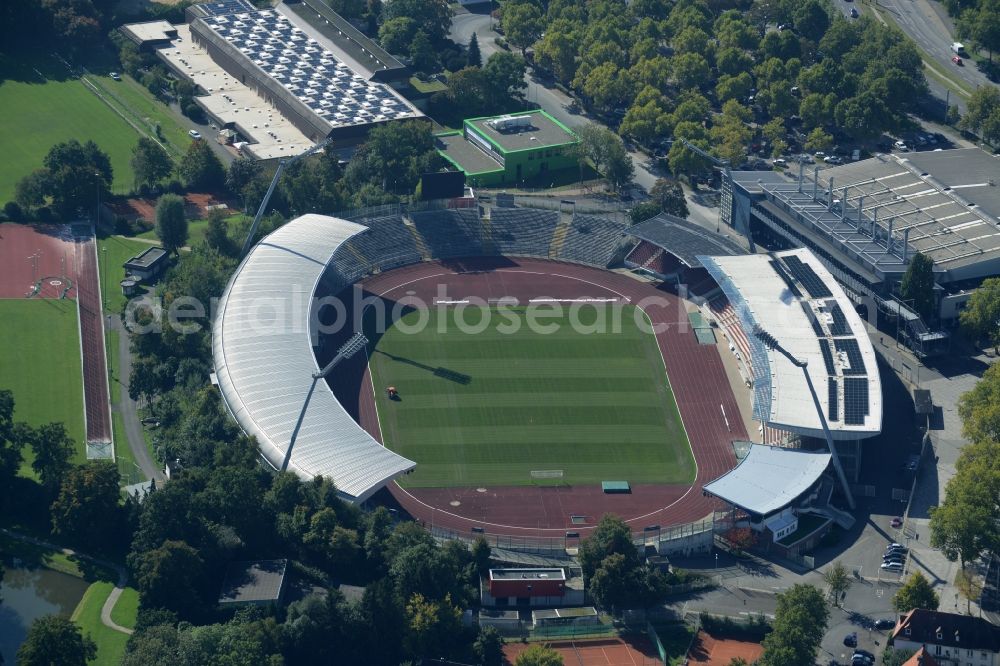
{"x":554,"y":102}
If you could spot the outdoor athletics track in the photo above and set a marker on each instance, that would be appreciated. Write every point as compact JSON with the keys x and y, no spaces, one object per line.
{"x":697,"y":378}
{"x":55,"y":246}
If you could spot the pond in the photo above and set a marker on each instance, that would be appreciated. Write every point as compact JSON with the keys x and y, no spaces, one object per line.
{"x":28,"y":594}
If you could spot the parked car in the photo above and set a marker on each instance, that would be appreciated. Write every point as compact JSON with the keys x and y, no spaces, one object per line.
{"x":833,"y":159}
{"x":957,"y":60}
{"x":194,"y":134}
{"x":884,"y":623}
{"x":851,"y":640}
{"x":854,"y":12}
{"x":900,"y":146}
{"x":780,"y":162}
{"x":115,"y":76}
{"x":896,"y":522}
{"x":892,"y":566}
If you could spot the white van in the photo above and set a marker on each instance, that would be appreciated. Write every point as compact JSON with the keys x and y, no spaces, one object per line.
{"x":958,"y":47}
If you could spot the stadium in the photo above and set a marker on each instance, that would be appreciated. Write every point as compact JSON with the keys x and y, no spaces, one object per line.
{"x":484,"y":371}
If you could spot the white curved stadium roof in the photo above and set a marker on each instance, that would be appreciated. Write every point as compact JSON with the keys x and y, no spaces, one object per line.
{"x":264,"y":361}
{"x":769,"y":478}
{"x":794,"y":298}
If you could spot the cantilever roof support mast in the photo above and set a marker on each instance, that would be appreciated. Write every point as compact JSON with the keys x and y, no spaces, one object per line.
{"x":282,"y":165}
{"x":772,"y":343}
{"x":728,"y":174}
{"x":355,"y":344}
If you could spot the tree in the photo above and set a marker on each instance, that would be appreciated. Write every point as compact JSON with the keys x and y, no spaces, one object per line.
{"x":969,"y":586}
{"x":30,"y":191}
{"x":53,"y":450}
{"x":422,"y":53}
{"x":811,"y":19}
{"x":505,"y":73}
{"x":55,"y":640}
{"x":915,"y":593}
{"x":614,"y":582}
{"x":74,"y":177}
{"x":87,"y":511}
{"x":690,"y":70}
{"x":522,"y":23}
{"x":171,"y":224}
{"x":818,"y":140}
{"x":982,"y":24}
{"x":738,"y":661}
{"x":488,"y":647}
{"x":606,"y":152}
{"x":799,"y":624}
{"x":10,"y":444}
{"x":964,"y":525}
{"x":918,"y":285}
{"x":433,"y":626}
{"x":556,"y":51}
{"x":983,"y":106}
{"x":474,"y":58}
{"x":894,"y":657}
{"x":668,"y":193}
{"x":837,"y":579}
{"x":431,"y":16}
{"x":199,"y":168}
{"x":150,"y":162}
{"x":981,"y":317}
{"x":217,"y":233}
{"x":396,"y":34}
{"x":171,"y":577}
{"x":539,"y":655}
{"x":612,"y":535}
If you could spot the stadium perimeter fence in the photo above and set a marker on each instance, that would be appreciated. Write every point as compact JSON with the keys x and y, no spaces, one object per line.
{"x":556,"y":546}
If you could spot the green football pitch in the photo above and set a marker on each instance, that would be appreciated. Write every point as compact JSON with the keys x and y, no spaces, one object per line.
{"x":41,"y":108}
{"x":40,"y":363}
{"x":492,"y":406}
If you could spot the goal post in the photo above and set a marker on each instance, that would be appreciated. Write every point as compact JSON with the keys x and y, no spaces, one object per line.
{"x":551,"y":477}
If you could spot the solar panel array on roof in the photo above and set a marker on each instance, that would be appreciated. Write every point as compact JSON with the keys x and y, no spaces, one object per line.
{"x":307,"y":70}
{"x":855,"y":400}
{"x":832,"y":411}
{"x":824,"y":347}
{"x":839,"y":326}
{"x":780,"y":270}
{"x":813,"y":320}
{"x":806,"y":276}
{"x":226,"y":7}
{"x":849,"y":347}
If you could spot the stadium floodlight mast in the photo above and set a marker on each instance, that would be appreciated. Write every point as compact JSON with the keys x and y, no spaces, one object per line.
{"x":355,"y":344}
{"x":772,"y":343}
{"x":282,"y":165}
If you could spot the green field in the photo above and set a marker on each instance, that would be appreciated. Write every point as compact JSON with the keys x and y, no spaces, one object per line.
{"x":489,"y":407}
{"x":41,"y":108}
{"x":40,"y":363}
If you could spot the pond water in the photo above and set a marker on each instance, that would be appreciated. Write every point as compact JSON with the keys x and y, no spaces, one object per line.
{"x":28,"y":594}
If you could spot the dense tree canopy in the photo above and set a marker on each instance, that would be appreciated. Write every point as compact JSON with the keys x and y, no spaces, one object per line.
{"x":980,"y":319}
{"x":55,"y":640}
{"x":915,"y":593}
{"x":171,"y":223}
{"x":799,"y":624}
{"x":150,"y":162}
{"x":199,"y":167}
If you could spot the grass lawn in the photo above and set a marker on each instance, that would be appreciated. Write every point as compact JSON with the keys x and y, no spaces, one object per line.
{"x":487,"y":408}
{"x":110,"y":643}
{"x":196,"y":230}
{"x":115,"y":250}
{"x":40,"y":363}
{"x":126,"y":609}
{"x":41,"y":108}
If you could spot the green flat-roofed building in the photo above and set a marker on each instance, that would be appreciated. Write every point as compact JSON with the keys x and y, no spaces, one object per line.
{"x":509,"y":149}
{"x":615,"y":487}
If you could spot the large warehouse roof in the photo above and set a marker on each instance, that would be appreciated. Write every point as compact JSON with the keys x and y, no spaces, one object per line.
{"x":769,"y":478}
{"x":264,"y":361}
{"x":793,"y":297}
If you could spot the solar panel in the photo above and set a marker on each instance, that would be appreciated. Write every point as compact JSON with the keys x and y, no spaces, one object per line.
{"x":832,"y":411}
{"x":780,"y":270}
{"x":806,"y":276}
{"x":855,"y":400}
{"x":824,"y":347}
{"x":849,"y":346}
{"x":839,"y":325}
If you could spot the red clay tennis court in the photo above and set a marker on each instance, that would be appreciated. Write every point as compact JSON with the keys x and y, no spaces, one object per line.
{"x":719,"y":652}
{"x":636,"y":651}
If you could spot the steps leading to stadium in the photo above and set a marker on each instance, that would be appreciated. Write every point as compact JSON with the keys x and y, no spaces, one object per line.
{"x":559,"y":237}
{"x":357,"y":253}
{"x":418,"y":239}
{"x":486,"y":225}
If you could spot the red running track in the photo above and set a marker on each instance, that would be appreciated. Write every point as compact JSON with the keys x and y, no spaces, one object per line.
{"x":696,"y":375}
{"x":46,"y":252}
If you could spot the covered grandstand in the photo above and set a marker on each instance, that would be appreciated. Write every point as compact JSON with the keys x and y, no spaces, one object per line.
{"x":822,"y":375}
{"x":262,"y":342}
